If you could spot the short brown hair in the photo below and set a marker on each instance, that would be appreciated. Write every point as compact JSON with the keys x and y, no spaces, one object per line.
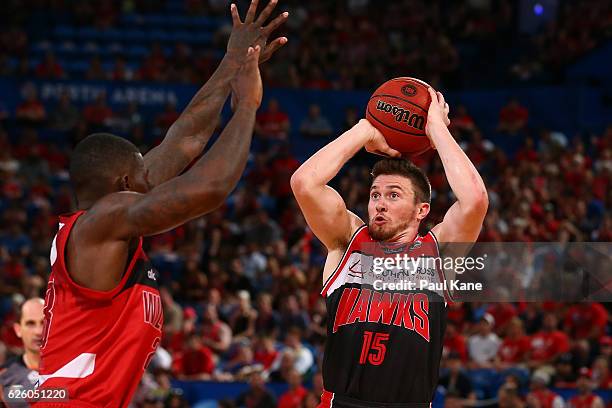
{"x":405,"y":168}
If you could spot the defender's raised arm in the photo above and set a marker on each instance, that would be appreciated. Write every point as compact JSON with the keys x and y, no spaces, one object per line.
{"x":188,"y":136}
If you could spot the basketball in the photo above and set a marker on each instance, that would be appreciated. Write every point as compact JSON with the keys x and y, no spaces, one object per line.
{"x":398,"y":109}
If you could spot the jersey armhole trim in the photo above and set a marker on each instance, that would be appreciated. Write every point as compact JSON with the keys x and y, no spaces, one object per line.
{"x":93,"y":293}
{"x":334,"y":274}
{"x":447,"y":293}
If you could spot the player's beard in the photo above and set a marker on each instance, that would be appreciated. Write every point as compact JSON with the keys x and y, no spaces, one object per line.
{"x":386,"y":231}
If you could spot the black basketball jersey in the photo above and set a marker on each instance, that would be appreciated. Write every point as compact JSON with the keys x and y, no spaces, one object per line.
{"x":384,"y":334}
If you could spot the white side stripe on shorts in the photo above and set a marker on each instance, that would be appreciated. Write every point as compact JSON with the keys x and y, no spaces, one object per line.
{"x":80,"y":367}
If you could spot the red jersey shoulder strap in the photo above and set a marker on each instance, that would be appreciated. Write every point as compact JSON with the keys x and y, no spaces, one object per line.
{"x":358,"y":237}
{"x":60,"y":270}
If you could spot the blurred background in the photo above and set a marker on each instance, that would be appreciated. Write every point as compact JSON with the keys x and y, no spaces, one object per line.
{"x":530,"y":91}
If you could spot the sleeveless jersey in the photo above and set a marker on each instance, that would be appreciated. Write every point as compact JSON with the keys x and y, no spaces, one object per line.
{"x":96,"y":344}
{"x":384,"y":343}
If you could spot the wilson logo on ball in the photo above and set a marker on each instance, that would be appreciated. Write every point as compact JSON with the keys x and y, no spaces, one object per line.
{"x":401,"y":115}
{"x":409,"y":90}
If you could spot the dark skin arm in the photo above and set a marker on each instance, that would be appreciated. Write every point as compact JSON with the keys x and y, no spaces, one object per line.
{"x":102,"y":236}
{"x":188,"y":136}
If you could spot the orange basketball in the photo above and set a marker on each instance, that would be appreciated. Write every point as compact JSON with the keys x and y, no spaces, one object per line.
{"x":398,"y":109}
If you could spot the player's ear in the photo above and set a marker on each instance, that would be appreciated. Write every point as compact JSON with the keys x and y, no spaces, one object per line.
{"x":124,"y":183}
{"x":17,"y":328}
{"x":422,"y":211}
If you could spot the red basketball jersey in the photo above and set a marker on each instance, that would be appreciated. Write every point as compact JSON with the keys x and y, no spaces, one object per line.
{"x":97,"y":344}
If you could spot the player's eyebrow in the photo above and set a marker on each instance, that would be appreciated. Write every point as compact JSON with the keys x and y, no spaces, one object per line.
{"x":394,"y":185}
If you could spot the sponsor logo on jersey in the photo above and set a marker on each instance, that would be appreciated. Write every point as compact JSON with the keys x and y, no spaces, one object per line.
{"x":152,"y":305}
{"x":151,"y":274}
{"x":409,"y":311}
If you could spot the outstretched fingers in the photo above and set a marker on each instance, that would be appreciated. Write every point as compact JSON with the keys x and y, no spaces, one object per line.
{"x":274,"y":24}
{"x":266,"y":13}
{"x":235,"y":16}
{"x":250,"y":16}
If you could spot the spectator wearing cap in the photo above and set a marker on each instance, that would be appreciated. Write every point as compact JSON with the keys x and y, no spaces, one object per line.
{"x":585,"y":398}
{"x":176,"y":341}
{"x":541,"y":397}
{"x":483,"y":345}
{"x":257,"y":396}
{"x":586,"y":320}
{"x":455,"y":382}
{"x":515,"y":345}
{"x":547,"y":344}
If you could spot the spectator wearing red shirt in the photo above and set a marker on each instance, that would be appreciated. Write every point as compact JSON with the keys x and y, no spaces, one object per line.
{"x":31,"y":111}
{"x":197,"y":361}
{"x":49,"y":67}
{"x":515,"y":345}
{"x":454,"y":342}
{"x":540,"y":396}
{"x":215,"y":334}
{"x":462,"y":121}
{"x":503,"y":313}
{"x":98,"y":114}
{"x":266,"y":352}
{"x":296,"y":393}
{"x":586,"y":320}
{"x":273,"y":123}
{"x":547,"y":344}
{"x":585,"y":398}
{"x":513,"y":117}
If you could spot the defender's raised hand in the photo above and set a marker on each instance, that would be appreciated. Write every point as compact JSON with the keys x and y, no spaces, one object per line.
{"x":252,"y":31}
{"x":247,"y":89}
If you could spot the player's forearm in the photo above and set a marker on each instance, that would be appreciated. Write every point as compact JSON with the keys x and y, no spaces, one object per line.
{"x":462,"y":176}
{"x":188,"y":136}
{"x":325,"y":164}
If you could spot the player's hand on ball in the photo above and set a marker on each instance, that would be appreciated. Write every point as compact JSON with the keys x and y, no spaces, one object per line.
{"x":252,"y":32}
{"x":376,"y":142}
{"x":247,"y":89}
{"x":437,"y":113}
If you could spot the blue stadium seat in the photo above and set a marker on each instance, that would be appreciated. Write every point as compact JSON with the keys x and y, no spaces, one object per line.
{"x":136,"y":51}
{"x":134,"y":35}
{"x":159,"y":35}
{"x":64,"y":32}
{"x":89,"y":33}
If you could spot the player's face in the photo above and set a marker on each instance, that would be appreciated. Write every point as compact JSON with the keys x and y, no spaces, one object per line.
{"x":30,"y":328}
{"x":392,"y":207}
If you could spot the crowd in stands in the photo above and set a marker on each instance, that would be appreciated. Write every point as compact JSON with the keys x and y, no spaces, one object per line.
{"x":241,"y":284}
{"x":353,"y":44}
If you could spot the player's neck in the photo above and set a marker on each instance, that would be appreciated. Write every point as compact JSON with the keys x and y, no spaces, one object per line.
{"x":403,"y":237}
